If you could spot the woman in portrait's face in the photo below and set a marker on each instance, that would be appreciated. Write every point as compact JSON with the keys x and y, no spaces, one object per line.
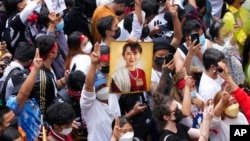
{"x":131,"y":57}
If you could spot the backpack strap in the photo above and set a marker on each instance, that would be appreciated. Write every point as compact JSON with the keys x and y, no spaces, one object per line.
{"x":183,"y":49}
{"x":50,"y":138}
{"x":166,"y":137}
{"x":3,"y":92}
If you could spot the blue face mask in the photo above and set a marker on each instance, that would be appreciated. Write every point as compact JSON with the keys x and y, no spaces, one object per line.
{"x":202,"y":39}
{"x":60,"y":26}
{"x":193,"y":94}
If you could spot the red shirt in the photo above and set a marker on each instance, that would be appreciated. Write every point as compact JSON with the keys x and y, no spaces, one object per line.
{"x":243,"y":100}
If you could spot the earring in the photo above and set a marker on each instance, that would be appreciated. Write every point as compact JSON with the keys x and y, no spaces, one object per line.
{"x":214,"y":71}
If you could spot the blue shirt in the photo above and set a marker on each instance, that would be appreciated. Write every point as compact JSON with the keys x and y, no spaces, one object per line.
{"x":28,"y":116}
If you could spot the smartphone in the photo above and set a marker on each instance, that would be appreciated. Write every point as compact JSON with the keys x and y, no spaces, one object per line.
{"x":219,"y":69}
{"x":195,"y":36}
{"x":169,"y":57}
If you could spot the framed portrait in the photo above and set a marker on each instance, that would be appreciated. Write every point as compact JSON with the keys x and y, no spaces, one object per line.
{"x":130,"y":67}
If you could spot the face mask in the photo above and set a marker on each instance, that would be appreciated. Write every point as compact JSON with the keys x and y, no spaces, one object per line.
{"x":66,"y":132}
{"x":119,"y":13}
{"x":14,"y":124}
{"x":193,"y":94}
{"x":103,"y":93}
{"x":60,"y":26}
{"x":232,"y":110}
{"x":159,"y":61}
{"x":105,"y":69}
{"x":202,"y":39}
{"x":127,"y":136}
{"x":226,"y":40}
{"x":117,"y":33}
{"x":87,"y":49}
{"x":145,"y":32}
{"x":178,"y":115}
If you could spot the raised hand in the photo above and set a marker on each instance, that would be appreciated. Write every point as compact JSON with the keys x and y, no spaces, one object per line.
{"x":95,"y":55}
{"x":169,"y":66}
{"x":54,"y":18}
{"x":172,"y":8}
{"x":37,"y":61}
{"x":226,"y":94}
{"x":117,"y":129}
{"x":224,"y":74}
{"x":194,"y":49}
{"x":189,"y":81}
{"x":208,"y":113}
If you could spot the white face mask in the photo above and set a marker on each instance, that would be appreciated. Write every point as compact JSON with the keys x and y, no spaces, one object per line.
{"x":127,"y":136}
{"x":103,"y":93}
{"x":87,"y":49}
{"x":66,"y":132}
{"x":227,"y":39}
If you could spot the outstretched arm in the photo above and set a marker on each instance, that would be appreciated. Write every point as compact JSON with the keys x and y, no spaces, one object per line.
{"x":28,"y":84}
{"x":90,"y":77}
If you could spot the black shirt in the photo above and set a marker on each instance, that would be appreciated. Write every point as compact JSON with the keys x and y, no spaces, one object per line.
{"x":181,"y":135}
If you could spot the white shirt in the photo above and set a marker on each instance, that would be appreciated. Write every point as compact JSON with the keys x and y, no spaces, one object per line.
{"x":82,"y":62}
{"x":220,"y":129}
{"x":195,"y":59}
{"x":9,"y":86}
{"x":103,"y":2}
{"x":209,"y":87}
{"x":136,"y":28}
{"x":99,"y":116}
{"x":216,"y":7}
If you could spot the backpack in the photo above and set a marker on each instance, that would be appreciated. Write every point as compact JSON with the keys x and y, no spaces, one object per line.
{"x":18,"y":79}
{"x":234,"y":65}
{"x":4,"y":84}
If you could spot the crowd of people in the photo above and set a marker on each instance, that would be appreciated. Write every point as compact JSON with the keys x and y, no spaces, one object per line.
{"x":54,"y":70}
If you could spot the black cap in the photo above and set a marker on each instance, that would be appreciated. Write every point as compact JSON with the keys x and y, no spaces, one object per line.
{"x":187,"y":10}
{"x":105,"y":49}
{"x":76,"y":80}
{"x":162,"y":43}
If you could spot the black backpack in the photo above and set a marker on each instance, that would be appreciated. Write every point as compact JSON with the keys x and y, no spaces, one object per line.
{"x":3,"y":91}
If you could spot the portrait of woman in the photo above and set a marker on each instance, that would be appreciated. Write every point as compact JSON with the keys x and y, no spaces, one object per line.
{"x":131,"y":75}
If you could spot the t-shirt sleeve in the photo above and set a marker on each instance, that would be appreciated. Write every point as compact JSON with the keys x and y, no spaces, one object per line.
{"x":13,"y":105}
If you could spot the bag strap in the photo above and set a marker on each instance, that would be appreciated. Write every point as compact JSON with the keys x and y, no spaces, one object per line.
{"x":183,"y":49}
{"x":3,"y":92}
{"x":166,"y":137}
{"x":51,"y":138}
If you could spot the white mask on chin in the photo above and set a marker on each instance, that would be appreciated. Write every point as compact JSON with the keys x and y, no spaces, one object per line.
{"x":103,"y":93}
{"x":127,"y":136}
{"x":66,"y":132}
{"x":87,"y":49}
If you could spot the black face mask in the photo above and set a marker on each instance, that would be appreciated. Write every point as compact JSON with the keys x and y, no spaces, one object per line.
{"x":105,"y":69}
{"x":14,"y":124}
{"x":159,"y":61}
{"x":117,"y":33}
{"x":178,"y":115}
{"x":145,"y":32}
{"x":119,"y":13}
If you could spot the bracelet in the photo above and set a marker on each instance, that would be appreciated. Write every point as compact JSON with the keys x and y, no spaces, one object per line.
{"x":204,"y":137}
{"x":62,"y":81}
